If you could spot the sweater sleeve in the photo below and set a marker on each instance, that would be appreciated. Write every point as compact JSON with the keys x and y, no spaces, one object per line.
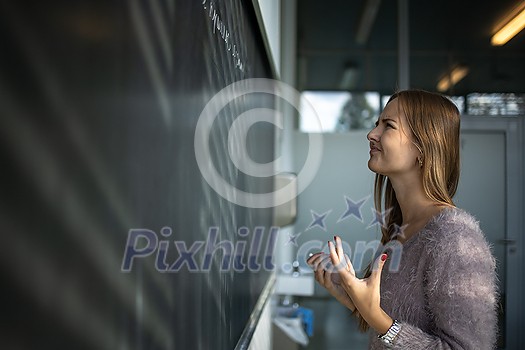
{"x":461,"y":292}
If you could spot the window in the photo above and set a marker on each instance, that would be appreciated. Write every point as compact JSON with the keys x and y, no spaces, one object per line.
{"x":338,"y":111}
{"x":508,"y":104}
{"x":343,"y":111}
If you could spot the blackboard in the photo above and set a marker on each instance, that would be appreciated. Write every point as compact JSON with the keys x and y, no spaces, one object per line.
{"x":99,"y":106}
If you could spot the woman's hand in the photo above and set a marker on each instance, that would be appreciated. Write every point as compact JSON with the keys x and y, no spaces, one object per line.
{"x":364,"y":293}
{"x":330,"y":279}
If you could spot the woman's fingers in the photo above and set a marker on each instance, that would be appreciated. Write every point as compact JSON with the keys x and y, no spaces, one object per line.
{"x":349,"y":265}
{"x":339,"y":262}
{"x":321,"y":268}
{"x":339,"y":248}
{"x":319,"y":276}
{"x":314,"y":261}
{"x":312,"y":257}
{"x":375,"y":276}
{"x":318,"y":261}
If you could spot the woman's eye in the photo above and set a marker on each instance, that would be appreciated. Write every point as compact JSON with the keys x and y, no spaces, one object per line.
{"x":388,"y":125}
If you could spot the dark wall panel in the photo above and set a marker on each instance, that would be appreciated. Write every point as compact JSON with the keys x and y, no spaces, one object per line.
{"x":99,"y":102}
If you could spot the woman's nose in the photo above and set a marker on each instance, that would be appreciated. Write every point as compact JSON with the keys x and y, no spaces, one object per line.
{"x":373,"y":135}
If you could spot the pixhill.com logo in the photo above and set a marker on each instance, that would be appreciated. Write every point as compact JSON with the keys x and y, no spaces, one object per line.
{"x":248,"y":252}
{"x":241,"y":255}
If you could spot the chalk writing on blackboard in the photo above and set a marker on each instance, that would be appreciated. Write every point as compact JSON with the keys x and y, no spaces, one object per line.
{"x":220,"y":28}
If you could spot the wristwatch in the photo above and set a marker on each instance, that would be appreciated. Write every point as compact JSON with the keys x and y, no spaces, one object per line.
{"x":388,"y":337}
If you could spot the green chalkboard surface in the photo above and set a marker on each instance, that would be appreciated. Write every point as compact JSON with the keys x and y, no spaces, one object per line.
{"x":112,"y":237}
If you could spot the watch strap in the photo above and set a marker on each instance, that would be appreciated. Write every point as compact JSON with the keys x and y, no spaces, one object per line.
{"x":388,"y":337}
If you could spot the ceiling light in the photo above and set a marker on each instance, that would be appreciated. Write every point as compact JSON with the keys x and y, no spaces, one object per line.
{"x":366,"y":21}
{"x":349,"y":78}
{"x":510,"y":26}
{"x":452,"y":78}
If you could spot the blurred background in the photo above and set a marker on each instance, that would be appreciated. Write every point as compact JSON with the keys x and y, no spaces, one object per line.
{"x":99,"y":107}
{"x":347,"y":58}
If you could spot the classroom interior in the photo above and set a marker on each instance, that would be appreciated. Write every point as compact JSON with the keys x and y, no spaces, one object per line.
{"x":168,"y":165}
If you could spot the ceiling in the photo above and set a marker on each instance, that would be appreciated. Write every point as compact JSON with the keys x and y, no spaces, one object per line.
{"x":441,"y":34}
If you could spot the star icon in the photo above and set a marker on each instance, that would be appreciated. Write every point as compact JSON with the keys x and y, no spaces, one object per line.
{"x":353,"y":208}
{"x":292,"y":239}
{"x":379,"y":217}
{"x":399,"y":231}
{"x":318,"y":220}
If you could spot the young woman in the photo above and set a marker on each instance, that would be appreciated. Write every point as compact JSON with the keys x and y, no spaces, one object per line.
{"x":442,"y":294}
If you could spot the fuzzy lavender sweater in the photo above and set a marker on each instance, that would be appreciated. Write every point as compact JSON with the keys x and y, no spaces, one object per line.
{"x":445,"y":291}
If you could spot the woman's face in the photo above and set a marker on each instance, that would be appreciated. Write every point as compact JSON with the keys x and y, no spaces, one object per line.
{"x":392,"y":151}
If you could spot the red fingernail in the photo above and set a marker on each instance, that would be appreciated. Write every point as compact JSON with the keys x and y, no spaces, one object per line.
{"x":384,"y":257}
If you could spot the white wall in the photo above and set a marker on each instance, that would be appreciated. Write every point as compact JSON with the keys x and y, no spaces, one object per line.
{"x":271,"y":14}
{"x":263,"y":336}
{"x":284,"y":140}
{"x":343,"y":172}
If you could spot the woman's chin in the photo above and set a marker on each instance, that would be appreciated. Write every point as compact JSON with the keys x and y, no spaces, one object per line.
{"x":375,"y":168}
{"x":372,"y":165}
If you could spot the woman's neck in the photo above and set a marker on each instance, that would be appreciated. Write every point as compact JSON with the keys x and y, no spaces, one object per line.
{"x":417,"y":209}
